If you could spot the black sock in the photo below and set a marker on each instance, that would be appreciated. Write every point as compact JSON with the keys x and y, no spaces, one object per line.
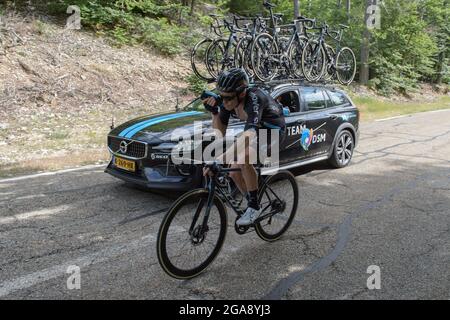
{"x":253,"y":199}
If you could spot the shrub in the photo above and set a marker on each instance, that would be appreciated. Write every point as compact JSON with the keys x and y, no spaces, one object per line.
{"x":195,"y":84}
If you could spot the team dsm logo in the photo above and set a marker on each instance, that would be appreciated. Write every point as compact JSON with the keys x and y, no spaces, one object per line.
{"x":307,"y":136}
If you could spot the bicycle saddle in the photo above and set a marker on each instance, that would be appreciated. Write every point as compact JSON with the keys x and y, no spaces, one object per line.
{"x":269,"y":5}
{"x":343,"y":26}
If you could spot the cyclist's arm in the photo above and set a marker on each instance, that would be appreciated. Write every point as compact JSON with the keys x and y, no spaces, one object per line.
{"x":254,"y":112}
{"x":218,"y":124}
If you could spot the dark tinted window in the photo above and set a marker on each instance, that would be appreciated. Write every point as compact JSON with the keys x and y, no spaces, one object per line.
{"x":338,"y":98}
{"x":313,"y":98}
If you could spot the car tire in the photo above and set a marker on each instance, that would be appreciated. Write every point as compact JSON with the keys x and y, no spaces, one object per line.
{"x":342,"y":150}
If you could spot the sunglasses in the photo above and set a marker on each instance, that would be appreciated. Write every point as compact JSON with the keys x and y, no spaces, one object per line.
{"x":228,"y":98}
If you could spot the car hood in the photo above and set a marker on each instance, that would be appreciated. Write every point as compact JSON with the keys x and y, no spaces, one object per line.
{"x":156,"y":129}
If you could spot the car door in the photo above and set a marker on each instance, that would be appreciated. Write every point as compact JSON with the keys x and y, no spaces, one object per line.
{"x":316,"y":135}
{"x":291,"y":150}
{"x":340,"y":109}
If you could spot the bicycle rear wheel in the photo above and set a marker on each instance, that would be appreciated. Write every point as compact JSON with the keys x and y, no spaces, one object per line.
{"x":278,"y":198}
{"x":198,"y":59}
{"x":184,"y":247}
{"x":345,"y":66}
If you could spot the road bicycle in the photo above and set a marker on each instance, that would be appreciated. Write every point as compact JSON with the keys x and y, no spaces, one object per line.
{"x":220,"y":54}
{"x":243,"y":48}
{"x":273,"y":54}
{"x":199,"y":51}
{"x":320,"y":60}
{"x":193,"y":230}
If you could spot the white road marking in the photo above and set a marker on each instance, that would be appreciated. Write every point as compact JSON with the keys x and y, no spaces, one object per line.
{"x":54,"y":272}
{"x":412,"y":114}
{"x":52,"y":173}
{"x":32,"y":214}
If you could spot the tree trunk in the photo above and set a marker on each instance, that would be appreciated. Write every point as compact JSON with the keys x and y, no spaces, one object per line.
{"x":441,"y":67}
{"x":348,"y":7}
{"x":296,"y":8}
{"x":339,"y":4}
{"x":192,"y":6}
{"x":364,"y":70}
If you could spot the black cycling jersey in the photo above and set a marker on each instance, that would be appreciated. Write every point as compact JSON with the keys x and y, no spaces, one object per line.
{"x":262,"y":111}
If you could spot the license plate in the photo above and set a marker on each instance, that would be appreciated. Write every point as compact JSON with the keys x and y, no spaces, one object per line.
{"x":125,"y":164}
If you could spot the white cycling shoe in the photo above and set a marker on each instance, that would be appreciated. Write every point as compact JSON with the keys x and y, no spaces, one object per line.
{"x":249,"y":217}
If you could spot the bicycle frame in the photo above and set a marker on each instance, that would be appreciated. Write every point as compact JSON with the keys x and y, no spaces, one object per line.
{"x":213,"y":188}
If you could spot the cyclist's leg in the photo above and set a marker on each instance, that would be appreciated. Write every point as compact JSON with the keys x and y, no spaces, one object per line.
{"x":246,"y":158}
{"x":238,"y":178}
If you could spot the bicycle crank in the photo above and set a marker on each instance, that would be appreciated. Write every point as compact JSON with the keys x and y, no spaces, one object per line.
{"x":240,"y":229}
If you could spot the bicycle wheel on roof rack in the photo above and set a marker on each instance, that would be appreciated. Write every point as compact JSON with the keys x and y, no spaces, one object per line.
{"x":242,"y":55}
{"x":215,"y":57}
{"x":330,"y":69}
{"x":295,"y":56}
{"x":313,"y":61}
{"x":345,"y":66}
{"x":198,"y":60}
{"x":264,"y":58}
{"x":219,"y":58}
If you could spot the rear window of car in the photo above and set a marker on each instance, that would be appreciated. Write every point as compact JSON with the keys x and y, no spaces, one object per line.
{"x":338,"y":98}
{"x":313,"y":98}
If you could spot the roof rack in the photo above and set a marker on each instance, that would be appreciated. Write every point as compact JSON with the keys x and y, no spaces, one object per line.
{"x":304,"y":82}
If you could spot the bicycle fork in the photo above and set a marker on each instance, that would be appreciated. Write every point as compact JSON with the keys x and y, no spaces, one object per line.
{"x":197,"y":233}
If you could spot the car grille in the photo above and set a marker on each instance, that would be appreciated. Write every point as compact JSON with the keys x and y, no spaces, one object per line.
{"x":135,"y":149}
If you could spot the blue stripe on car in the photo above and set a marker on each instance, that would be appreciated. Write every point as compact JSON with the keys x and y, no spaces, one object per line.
{"x":130,"y":131}
{"x":136,"y":128}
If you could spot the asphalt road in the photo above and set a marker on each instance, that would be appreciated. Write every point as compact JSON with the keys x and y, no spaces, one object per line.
{"x":390,"y":208}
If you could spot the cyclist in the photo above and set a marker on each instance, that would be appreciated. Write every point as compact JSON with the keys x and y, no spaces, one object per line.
{"x":260,"y":111}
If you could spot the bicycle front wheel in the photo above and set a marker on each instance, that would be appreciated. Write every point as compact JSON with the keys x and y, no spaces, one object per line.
{"x":278,"y":198}
{"x":345,"y":66}
{"x":185,"y":247}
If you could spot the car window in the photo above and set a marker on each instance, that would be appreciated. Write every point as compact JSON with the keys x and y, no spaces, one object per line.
{"x":313,"y":98}
{"x":289,"y":100}
{"x":338,"y":98}
{"x":328,"y":101}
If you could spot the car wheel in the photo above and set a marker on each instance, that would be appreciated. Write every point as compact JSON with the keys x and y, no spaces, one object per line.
{"x":343,"y":150}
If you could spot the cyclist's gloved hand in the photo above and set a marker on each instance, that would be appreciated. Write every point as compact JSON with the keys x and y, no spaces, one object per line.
{"x":206,"y":95}
{"x":211,"y":169}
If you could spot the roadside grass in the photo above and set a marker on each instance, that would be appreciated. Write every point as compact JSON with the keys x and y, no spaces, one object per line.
{"x":373,"y":109}
{"x":54,"y":163}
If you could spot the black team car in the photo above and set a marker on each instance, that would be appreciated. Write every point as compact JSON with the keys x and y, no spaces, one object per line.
{"x":322,"y":124}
